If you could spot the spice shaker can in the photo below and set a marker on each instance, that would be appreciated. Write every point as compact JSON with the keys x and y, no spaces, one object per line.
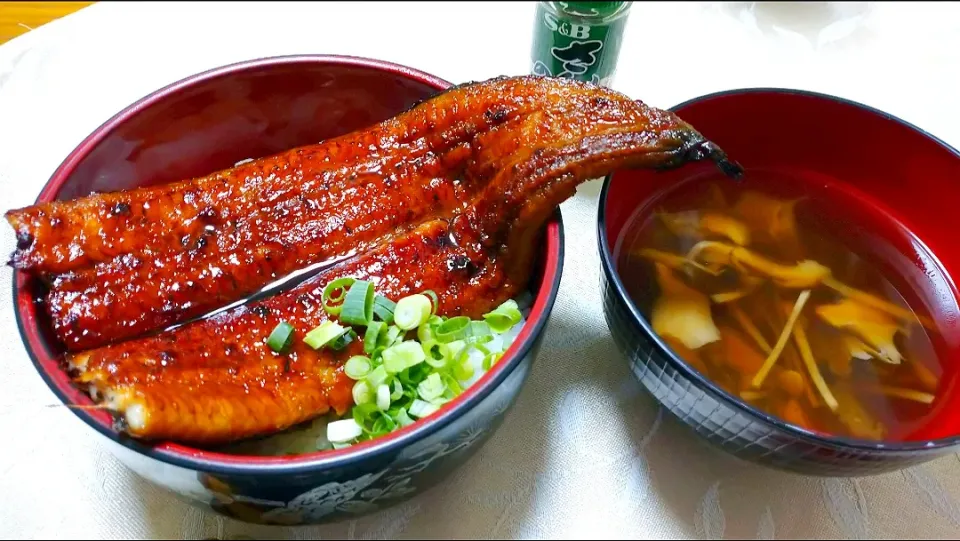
{"x":579,"y":40}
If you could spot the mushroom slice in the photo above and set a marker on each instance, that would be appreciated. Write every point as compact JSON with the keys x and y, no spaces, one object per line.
{"x":776,"y":217}
{"x":874,"y":328}
{"x":706,"y":224}
{"x":682,"y":312}
{"x":749,"y":284}
{"x":877,"y":303}
{"x":804,"y":275}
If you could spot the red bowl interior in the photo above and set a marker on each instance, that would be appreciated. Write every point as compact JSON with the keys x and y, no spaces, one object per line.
{"x":211,"y":121}
{"x":905,"y":181}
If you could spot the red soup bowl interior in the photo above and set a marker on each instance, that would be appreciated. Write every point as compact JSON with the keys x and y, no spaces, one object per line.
{"x":906,"y":184}
{"x":209,"y":122}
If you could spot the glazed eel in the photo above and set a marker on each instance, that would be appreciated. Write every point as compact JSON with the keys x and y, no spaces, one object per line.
{"x":214,"y":381}
{"x":123,"y":264}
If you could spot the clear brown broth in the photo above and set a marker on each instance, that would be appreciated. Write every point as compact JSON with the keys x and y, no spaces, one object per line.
{"x":867,"y":393}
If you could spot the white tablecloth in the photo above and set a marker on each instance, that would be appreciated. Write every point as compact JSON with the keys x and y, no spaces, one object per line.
{"x":585,"y":452}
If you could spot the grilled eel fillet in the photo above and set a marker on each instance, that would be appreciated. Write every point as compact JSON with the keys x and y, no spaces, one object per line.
{"x":214,"y":381}
{"x":131,"y":262}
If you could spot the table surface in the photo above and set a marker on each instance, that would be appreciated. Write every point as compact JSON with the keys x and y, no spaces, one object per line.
{"x":548,"y":472}
{"x":18,"y":18}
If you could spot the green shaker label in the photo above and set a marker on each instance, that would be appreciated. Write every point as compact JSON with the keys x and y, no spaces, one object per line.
{"x":575,"y":48}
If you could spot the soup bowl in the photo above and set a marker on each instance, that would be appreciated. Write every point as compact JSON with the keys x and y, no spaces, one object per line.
{"x":209,"y":122}
{"x":885,"y":163}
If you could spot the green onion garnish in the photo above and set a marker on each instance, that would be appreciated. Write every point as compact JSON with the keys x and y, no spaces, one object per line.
{"x":327,"y":332}
{"x":491,"y":360}
{"x":411,"y":311}
{"x":421,"y":409}
{"x":378,"y":376}
{"x":358,"y":304}
{"x":383,"y":308}
{"x":362,"y":394}
{"x":437,"y":354}
{"x":392,"y":336}
{"x":383,"y":396}
{"x":426,"y":331}
{"x":400,"y":378}
{"x":339,"y":432}
{"x":463,"y":370}
{"x":357,"y":367}
{"x":504,"y":316}
{"x":331,"y":302}
{"x":341,"y":342}
{"x":431,"y":388}
{"x":370,"y":337}
{"x":402,"y":356}
{"x":433,"y":297}
{"x":455,"y":328}
{"x":403,"y":419}
{"x":281,"y":338}
{"x":479,"y":329}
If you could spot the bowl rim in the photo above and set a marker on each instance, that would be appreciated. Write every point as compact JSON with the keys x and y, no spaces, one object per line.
{"x":705,"y":384}
{"x":238,"y":465}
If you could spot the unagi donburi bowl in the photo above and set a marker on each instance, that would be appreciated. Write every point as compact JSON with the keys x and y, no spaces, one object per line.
{"x":209,"y":122}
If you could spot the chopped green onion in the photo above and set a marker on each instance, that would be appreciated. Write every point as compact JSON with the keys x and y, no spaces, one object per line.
{"x":331,"y":302}
{"x":503,"y":317}
{"x":358,"y":304}
{"x":426,"y":331}
{"x":383,"y":425}
{"x":383,"y":308}
{"x":431,"y":388}
{"x":393,"y":335}
{"x":343,"y":431}
{"x":465,"y":352}
{"x":463,"y":370}
{"x":433,"y":297}
{"x":403,"y":419}
{"x":357,"y":367}
{"x":479,"y":329}
{"x":437,"y":354}
{"x":479,"y":340}
{"x":402,"y":356}
{"x":343,"y":340}
{"x":491,"y":360}
{"x":363,"y":415}
{"x":362,"y":393}
{"x":327,"y":332}
{"x":421,"y":409}
{"x":378,"y":377}
{"x":455,"y":348}
{"x":383,"y":396}
{"x":281,"y":338}
{"x":411,"y":311}
{"x":374,"y":328}
{"x":455,"y":328}
{"x":453,"y":386}
{"x":397,"y":379}
{"x":340,"y":445}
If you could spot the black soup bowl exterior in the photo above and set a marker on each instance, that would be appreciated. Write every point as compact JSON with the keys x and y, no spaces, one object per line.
{"x":891,"y":160}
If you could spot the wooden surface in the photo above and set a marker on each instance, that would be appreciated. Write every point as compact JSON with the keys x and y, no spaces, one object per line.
{"x":20,"y":17}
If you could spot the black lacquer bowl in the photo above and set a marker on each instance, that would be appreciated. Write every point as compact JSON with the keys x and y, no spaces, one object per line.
{"x":912,"y":174}
{"x":209,"y":122}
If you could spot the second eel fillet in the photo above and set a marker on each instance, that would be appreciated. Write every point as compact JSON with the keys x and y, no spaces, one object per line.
{"x":189,"y":248}
{"x":215,"y":381}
